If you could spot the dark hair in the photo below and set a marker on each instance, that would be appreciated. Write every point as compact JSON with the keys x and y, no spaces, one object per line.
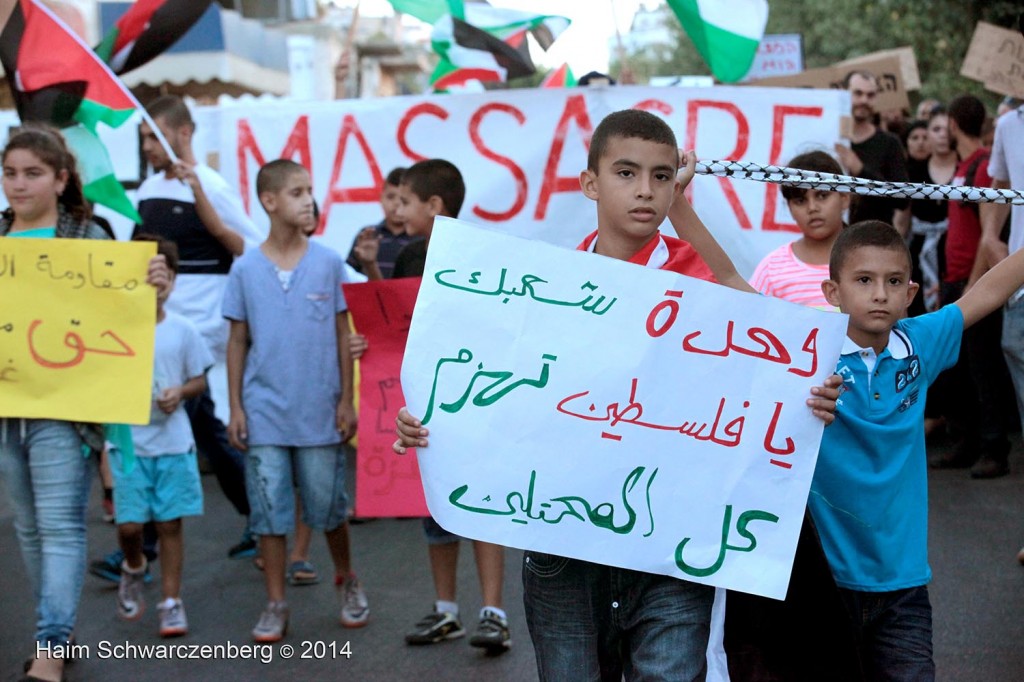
{"x":437,"y":178}
{"x":164,"y":247}
{"x":586,"y":78}
{"x":916,"y":124}
{"x":172,"y":109}
{"x":818,"y":161}
{"x":628,"y":123}
{"x":395,"y":176}
{"x":859,"y":72}
{"x":48,"y":144}
{"x":865,"y":233}
{"x":937,"y":110}
{"x":969,"y":114}
{"x":274,"y":174}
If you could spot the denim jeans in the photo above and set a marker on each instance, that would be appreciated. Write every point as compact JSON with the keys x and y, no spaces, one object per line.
{"x":272,"y":475}
{"x":1013,"y":347}
{"x":228,"y":464}
{"x":594,"y":622}
{"x":894,"y":633}
{"x":48,"y":483}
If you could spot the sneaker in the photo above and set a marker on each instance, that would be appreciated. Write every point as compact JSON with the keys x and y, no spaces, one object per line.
{"x":108,"y":511}
{"x":436,"y":627}
{"x":492,"y":633}
{"x":173,"y":622}
{"x":355,"y":609}
{"x":990,"y":466}
{"x":130,"y":604}
{"x":109,"y":567}
{"x":245,"y":548}
{"x":273,"y":623}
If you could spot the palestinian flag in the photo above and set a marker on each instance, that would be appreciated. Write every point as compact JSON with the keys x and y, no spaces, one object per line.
{"x":562,"y":77}
{"x":147,"y":29}
{"x":726,"y":34}
{"x":478,"y":42}
{"x":57,"y":79}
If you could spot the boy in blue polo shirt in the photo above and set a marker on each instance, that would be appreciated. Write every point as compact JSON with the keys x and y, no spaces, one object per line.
{"x":290,"y":390}
{"x":869,"y":496}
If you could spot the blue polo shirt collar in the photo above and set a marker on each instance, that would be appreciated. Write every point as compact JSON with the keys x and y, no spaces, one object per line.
{"x":899,"y":346}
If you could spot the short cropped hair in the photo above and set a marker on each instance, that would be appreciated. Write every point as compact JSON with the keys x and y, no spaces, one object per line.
{"x":628,"y":123}
{"x":173,"y":110}
{"x":274,"y":175}
{"x":863,"y":74}
{"x":865,"y":233}
{"x":817,"y":161}
{"x":437,"y":178}
{"x":969,"y":114}
{"x":164,"y":247}
{"x":395,"y":176}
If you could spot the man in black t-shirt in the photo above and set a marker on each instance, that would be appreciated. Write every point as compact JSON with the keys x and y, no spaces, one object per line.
{"x":873,"y":154}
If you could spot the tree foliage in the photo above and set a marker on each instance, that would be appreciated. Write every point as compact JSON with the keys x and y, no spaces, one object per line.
{"x":834,"y":30}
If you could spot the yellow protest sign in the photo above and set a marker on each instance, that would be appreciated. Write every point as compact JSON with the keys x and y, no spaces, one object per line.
{"x":76,"y":330}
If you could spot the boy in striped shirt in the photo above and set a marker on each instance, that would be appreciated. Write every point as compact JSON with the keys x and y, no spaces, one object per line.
{"x":795,"y":271}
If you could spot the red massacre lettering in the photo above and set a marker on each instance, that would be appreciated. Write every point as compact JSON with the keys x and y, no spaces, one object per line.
{"x":655,"y":330}
{"x":518,"y":174}
{"x":575,"y":110}
{"x":654,"y":105}
{"x":771,"y":199}
{"x":297,"y":142}
{"x":424,"y":108}
{"x":693,"y":108}
{"x":342,"y":195}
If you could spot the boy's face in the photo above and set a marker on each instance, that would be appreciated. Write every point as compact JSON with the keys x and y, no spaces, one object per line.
{"x":390,"y":201}
{"x":874,"y":289}
{"x":418,"y":215}
{"x":292,"y":205}
{"x":819,"y":213}
{"x":634,"y":186}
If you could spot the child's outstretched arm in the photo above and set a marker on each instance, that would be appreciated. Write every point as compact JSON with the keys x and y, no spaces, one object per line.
{"x":690,"y":228}
{"x":992,"y":290}
{"x":345,"y":411}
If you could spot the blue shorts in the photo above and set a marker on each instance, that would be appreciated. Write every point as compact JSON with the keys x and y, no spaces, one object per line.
{"x":273,"y":472}
{"x":436,"y":535}
{"x":162,"y":488}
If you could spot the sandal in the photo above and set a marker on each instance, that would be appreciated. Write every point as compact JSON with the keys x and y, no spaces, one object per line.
{"x":302,"y":573}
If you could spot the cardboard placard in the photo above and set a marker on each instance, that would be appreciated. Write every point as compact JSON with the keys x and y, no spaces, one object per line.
{"x":908,"y":64}
{"x":892,"y":93}
{"x":995,"y":57}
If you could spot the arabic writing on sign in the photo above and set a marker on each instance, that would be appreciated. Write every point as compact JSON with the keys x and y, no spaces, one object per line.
{"x":80,"y":278}
{"x":767,"y":346}
{"x":632,"y":413}
{"x":527,"y":283}
{"x":491,"y":392}
{"x":74,"y":341}
{"x":521,"y":508}
{"x":741,"y":528}
{"x":7,"y":268}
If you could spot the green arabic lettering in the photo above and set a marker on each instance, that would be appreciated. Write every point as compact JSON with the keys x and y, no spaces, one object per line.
{"x":741,"y":528}
{"x":464,"y":356}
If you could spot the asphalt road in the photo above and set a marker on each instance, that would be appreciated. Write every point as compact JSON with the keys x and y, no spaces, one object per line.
{"x":977,"y":593}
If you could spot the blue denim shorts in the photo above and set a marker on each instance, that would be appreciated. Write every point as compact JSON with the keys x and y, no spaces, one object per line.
{"x":436,"y":535}
{"x":273,"y":472}
{"x":160,"y":488}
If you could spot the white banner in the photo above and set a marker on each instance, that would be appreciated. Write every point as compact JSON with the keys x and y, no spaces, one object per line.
{"x":521,"y":153}
{"x":588,"y":407}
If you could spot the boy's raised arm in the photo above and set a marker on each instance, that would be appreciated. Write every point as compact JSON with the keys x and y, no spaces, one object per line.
{"x":992,"y":290}
{"x":689,"y":227}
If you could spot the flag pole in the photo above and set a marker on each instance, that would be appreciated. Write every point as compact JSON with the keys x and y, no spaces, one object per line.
{"x":621,"y":49}
{"x":128,"y":93}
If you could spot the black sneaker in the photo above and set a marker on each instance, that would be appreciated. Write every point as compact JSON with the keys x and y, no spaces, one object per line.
{"x":109,"y":567}
{"x":435,"y":628}
{"x":492,"y":633}
{"x":245,"y":548}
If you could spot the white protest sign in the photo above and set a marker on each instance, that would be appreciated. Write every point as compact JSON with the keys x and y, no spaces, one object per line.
{"x":592,"y":408}
{"x":521,"y":153}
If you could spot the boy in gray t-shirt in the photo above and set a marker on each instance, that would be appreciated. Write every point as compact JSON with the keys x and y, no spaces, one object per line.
{"x":290,"y":390}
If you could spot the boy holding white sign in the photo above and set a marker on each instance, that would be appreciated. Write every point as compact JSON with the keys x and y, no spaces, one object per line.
{"x":870,"y":489}
{"x":594,"y":621}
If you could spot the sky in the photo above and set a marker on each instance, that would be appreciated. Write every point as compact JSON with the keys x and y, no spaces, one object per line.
{"x":584,"y":45}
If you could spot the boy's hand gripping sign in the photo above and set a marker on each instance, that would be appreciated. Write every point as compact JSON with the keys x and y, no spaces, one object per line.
{"x":76,"y":330}
{"x":595,"y":409}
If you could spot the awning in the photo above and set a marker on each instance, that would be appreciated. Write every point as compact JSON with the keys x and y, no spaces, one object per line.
{"x":223,"y":53}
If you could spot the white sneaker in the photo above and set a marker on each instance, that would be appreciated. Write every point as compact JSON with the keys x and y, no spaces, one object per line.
{"x":173,"y":622}
{"x":355,"y":609}
{"x":273,"y":623}
{"x":130,"y":604}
